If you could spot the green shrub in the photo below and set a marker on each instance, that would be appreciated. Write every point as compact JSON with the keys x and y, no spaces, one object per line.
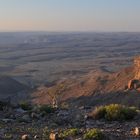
{"x":69,"y":132}
{"x":119,"y":112}
{"x":114,"y":112}
{"x":25,"y":105}
{"x":95,"y":134}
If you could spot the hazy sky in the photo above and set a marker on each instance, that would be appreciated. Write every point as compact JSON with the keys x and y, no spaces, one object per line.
{"x":70,"y":15}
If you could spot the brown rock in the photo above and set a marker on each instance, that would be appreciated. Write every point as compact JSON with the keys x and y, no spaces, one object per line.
{"x":137,"y":131}
{"x":137,"y":67}
{"x":130,"y":84}
{"x":53,"y":136}
{"x":138,"y":89}
{"x":133,"y":84}
{"x":25,"y":137}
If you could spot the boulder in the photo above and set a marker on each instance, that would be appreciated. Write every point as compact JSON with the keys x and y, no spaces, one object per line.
{"x":53,"y":136}
{"x":133,"y":84}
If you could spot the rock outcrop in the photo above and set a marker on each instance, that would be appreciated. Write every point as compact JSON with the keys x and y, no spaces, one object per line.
{"x":137,"y":67}
{"x":98,"y":87}
{"x":135,"y":82}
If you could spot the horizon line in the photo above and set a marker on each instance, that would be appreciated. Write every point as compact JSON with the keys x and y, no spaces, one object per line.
{"x":68,"y":31}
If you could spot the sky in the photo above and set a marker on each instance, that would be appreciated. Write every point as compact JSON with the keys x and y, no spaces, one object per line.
{"x":70,"y":15}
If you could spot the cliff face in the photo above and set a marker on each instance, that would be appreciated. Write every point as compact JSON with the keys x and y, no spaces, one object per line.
{"x":137,"y":67}
{"x":98,"y":87}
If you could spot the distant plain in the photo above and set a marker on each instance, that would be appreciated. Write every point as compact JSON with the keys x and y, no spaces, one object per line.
{"x":35,"y":58}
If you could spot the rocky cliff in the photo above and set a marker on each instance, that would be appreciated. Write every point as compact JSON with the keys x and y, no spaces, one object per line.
{"x":137,"y":67}
{"x":134,"y":83}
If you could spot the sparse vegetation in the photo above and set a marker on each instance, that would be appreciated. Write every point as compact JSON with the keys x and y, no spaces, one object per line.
{"x":64,"y":105}
{"x":25,"y":105}
{"x":56,"y":93}
{"x":95,"y":134}
{"x":46,"y":108}
{"x":69,"y":132}
{"x":114,"y":112}
{"x":98,"y":113}
{"x":46,"y":133}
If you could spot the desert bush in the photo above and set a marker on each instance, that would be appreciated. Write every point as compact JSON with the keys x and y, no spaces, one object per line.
{"x":69,"y":132}
{"x":114,"y":112}
{"x":64,"y":105}
{"x":95,"y":134}
{"x":98,"y":113}
{"x":119,"y":112}
{"x":25,"y":105}
{"x":45,"y":134}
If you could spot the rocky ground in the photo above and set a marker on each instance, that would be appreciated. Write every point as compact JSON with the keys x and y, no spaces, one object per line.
{"x":15,"y":123}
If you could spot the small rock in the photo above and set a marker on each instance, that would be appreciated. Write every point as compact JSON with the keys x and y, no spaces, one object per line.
{"x":63,"y":113}
{"x":137,"y":131}
{"x":85,"y":107}
{"x":78,"y":139}
{"x":7,"y":120}
{"x":25,"y":137}
{"x":19,"y":110}
{"x":34,"y":115}
{"x":36,"y":137}
{"x":25,"y":118}
{"x":53,"y":136}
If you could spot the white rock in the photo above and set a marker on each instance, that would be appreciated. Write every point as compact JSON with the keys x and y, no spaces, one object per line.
{"x":25,"y":137}
{"x":36,"y":137}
